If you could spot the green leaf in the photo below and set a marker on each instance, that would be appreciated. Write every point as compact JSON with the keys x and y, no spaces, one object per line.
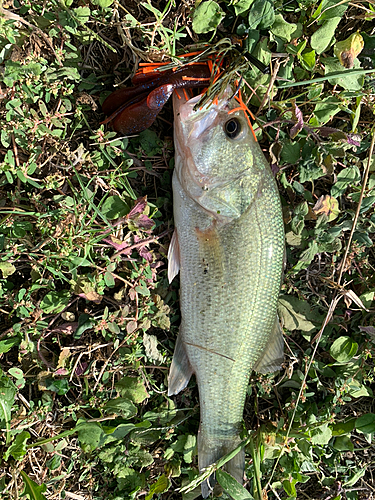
{"x":343,"y":443}
{"x":342,"y":428}
{"x":232,"y":486}
{"x":348,"y":80}
{"x":161,"y":485}
{"x":366,"y":423}
{"x":207,"y":17}
{"x":60,"y":386}
{"x":103,"y":3}
{"x":308,"y":59}
{"x":120,"y":406}
{"x":241,"y":6}
{"x":7,"y":269}
{"x":327,"y":108}
{"x":321,"y":435}
{"x":295,"y":314}
{"x":367,"y":298}
{"x":7,"y":344}
{"x":289,"y":486}
{"x":343,"y":349}
{"x":329,"y":9}
{"x":284,"y":30}
{"x":324,"y":36}
{"x":261,"y":14}
{"x":32,"y":490}
{"x":189,"y":447}
{"x":55,"y":302}
{"x":130,"y":480}
{"x":114,"y":207}
{"x":132,"y":388}
{"x":91,"y":436}
{"x":355,"y":478}
{"x":7,"y":396}
{"x":18,"y":448}
{"x":121,"y":431}
{"x":15,"y":372}
{"x":291,"y":152}
{"x":347,"y":177}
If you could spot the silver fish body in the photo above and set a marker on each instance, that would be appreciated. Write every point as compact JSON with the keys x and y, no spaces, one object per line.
{"x":228,"y":246}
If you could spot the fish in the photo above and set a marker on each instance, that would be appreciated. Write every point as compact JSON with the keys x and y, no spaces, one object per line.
{"x":228,"y":246}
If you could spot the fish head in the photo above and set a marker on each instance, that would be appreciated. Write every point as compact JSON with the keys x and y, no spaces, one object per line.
{"x":218,"y":160}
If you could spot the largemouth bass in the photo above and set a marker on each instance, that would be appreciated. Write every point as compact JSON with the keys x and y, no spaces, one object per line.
{"x":228,"y":246}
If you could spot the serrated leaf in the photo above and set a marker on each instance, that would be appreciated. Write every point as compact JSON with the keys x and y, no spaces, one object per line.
{"x":343,"y":349}
{"x":207,"y":17}
{"x":150,"y":343}
{"x":132,"y":388}
{"x":32,"y":489}
{"x":291,"y":152}
{"x":161,"y":485}
{"x":231,"y":486}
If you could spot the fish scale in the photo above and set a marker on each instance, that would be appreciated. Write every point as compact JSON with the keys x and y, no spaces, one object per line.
{"x":230,"y":237}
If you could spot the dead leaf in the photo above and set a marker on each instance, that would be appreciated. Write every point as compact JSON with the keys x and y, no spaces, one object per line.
{"x":86,"y":289}
{"x":150,"y":343}
{"x":131,"y":326}
{"x":64,"y":355}
{"x":327,"y":205}
{"x":347,"y":50}
{"x":297,"y":114}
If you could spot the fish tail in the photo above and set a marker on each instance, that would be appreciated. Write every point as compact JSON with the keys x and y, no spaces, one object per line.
{"x":211,"y":450}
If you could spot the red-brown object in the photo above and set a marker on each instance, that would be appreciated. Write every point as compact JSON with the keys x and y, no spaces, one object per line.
{"x":134,"y":109}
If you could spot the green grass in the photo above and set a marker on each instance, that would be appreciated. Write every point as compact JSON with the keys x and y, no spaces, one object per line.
{"x":88,"y":319}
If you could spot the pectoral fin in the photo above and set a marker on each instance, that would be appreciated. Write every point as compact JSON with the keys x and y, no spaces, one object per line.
{"x":273,"y":354}
{"x":173,"y":257}
{"x":180,"y":371}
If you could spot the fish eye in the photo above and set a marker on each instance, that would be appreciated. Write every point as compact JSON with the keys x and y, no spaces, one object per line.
{"x":232,"y":128}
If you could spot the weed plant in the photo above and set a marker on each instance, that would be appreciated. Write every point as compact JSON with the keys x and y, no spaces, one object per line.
{"x":88,"y":319}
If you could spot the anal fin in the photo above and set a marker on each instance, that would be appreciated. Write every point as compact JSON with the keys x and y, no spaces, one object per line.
{"x":180,"y":371}
{"x":273,"y":353}
{"x":173,"y":257}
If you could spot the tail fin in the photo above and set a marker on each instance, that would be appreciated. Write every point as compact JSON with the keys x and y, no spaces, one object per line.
{"x":211,"y":450}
